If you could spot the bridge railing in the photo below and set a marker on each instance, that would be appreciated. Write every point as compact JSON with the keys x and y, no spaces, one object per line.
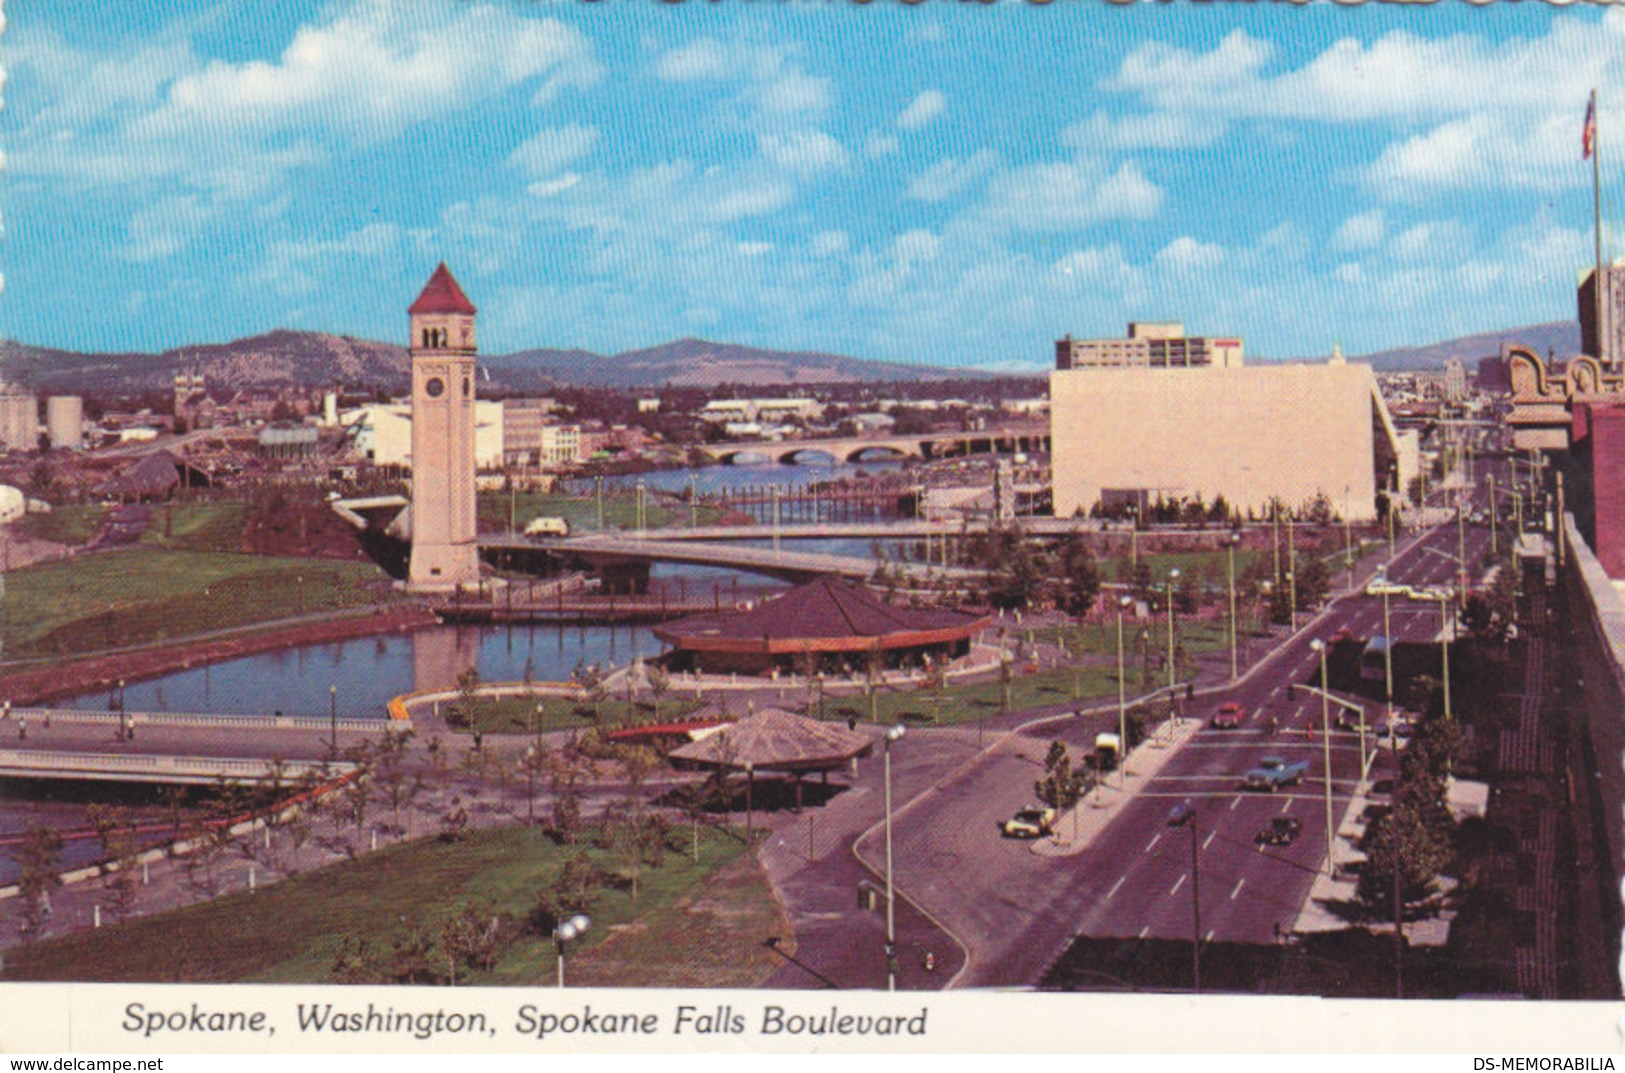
{"x":211,"y":767}
{"x":234,"y":721}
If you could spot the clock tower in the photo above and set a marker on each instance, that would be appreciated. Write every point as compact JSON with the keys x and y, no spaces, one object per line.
{"x":444,"y":548}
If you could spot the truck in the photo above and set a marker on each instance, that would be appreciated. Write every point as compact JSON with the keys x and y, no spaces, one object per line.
{"x":1273,"y":772}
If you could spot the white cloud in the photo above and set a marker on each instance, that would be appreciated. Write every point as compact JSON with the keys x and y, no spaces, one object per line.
{"x":1468,"y":111}
{"x":1361,"y":231}
{"x":804,"y":151}
{"x":547,"y":151}
{"x":1186,"y":254}
{"x":829,"y":243}
{"x":556,"y":185}
{"x":923,"y":110}
{"x":879,"y":144}
{"x":772,"y":90}
{"x":699,"y":60}
{"x":291,"y":267}
{"x":195,"y":139}
{"x":951,"y":176}
{"x":1068,"y":196}
{"x":1156,"y":130}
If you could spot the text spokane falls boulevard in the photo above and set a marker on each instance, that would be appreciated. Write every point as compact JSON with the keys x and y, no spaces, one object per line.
{"x":721,"y":1020}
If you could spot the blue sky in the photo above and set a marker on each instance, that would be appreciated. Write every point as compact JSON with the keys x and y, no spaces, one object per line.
{"x":945,"y":184}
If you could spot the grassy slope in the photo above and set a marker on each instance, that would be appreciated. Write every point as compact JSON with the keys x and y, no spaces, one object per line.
{"x":290,"y":932}
{"x":148,"y":594}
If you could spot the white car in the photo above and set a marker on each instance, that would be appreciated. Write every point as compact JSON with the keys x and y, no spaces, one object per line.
{"x":1381,"y":586}
{"x":1435,"y":595}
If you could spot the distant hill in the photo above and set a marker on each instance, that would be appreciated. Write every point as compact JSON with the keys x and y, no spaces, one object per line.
{"x":1561,"y":337}
{"x":701,"y":363}
{"x":279,"y":358}
{"x":314,"y":359}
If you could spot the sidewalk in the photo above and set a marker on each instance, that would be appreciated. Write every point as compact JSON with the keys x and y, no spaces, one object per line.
{"x":1078,"y":827}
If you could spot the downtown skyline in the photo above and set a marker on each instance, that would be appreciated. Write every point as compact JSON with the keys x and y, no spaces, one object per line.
{"x":935,"y":185}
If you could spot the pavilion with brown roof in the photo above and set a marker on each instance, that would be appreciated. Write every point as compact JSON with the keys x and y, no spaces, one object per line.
{"x":828,"y":620}
{"x":778,"y":742}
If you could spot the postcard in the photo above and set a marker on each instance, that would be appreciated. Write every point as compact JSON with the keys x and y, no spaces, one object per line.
{"x":538,"y":528}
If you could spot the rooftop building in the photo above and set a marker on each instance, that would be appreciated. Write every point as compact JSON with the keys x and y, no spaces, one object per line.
{"x":1149,"y":345}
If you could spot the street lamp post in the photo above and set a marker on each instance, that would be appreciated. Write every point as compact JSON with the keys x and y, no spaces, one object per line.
{"x":1319,"y":647}
{"x":1184,"y":815}
{"x":1230,"y":546}
{"x":1123,"y":603}
{"x":892,"y":735}
{"x":333,"y":715}
{"x":566,"y":932}
{"x":1292,"y":600}
{"x":1348,"y":539}
{"x":1444,"y":645}
{"x":1388,"y":647}
{"x":1173,"y":576}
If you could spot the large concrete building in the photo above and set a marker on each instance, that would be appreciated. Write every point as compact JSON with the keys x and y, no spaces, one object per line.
{"x":1150,"y":345}
{"x":445,"y":551}
{"x":1604,"y":341}
{"x":65,"y":421}
{"x":383,"y":433}
{"x":1250,"y":434}
{"x":19,"y":420}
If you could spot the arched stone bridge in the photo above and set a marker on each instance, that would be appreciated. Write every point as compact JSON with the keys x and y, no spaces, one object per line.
{"x":1008,"y":440}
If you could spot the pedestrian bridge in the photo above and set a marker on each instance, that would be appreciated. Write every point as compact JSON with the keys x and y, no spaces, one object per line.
{"x":601,"y":550}
{"x":166,"y":769}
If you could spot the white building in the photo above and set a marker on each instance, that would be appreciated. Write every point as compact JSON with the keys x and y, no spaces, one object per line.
{"x":384,"y":433}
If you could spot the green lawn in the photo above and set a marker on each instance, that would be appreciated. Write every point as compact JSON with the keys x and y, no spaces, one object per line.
{"x":517,"y":715}
{"x":197,"y":526}
{"x":1094,"y":677}
{"x":620,"y":510}
{"x":113,"y":599}
{"x":291,"y":932}
{"x":73,"y":523}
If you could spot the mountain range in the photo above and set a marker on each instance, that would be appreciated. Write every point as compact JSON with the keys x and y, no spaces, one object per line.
{"x":316,"y":359}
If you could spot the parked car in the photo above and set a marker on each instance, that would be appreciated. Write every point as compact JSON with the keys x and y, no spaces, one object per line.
{"x":1281,"y":831}
{"x":1229,"y":716}
{"x":1034,"y":821}
{"x":1273,"y":772}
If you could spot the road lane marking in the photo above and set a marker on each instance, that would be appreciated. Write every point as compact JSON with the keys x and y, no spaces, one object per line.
{"x":1154,"y":840}
{"x":1286,"y":806}
{"x":1145,"y":931}
{"x":1239,"y":884}
{"x":1211,"y":835}
{"x":1234,"y":802}
{"x":1208,"y":938}
{"x":1119,"y":883}
{"x":1180,"y":882}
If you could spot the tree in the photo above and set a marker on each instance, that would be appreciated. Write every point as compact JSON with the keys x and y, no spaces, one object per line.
{"x":638,"y":762}
{"x":1061,"y":786}
{"x":567,"y":769}
{"x":1078,"y":576}
{"x":1314,"y":581}
{"x":589,"y":679}
{"x":38,"y":858}
{"x":1415,"y":835}
{"x":464,"y":709}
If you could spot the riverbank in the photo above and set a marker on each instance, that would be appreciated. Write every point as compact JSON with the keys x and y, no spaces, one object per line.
{"x":51,"y":682}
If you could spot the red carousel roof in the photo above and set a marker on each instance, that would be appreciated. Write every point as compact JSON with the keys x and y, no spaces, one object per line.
{"x":824,"y":615}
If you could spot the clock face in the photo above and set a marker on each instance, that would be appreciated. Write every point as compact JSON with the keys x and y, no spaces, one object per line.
{"x":435,"y":387}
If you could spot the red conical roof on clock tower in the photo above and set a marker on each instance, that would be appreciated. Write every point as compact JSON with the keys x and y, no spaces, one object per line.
{"x":442,"y":295}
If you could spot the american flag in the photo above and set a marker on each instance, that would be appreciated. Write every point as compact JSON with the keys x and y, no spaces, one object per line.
{"x":1588,"y":137}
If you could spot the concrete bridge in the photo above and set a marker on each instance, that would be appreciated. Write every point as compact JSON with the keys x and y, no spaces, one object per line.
{"x":606,"y":551}
{"x":163,"y":768}
{"x":176,"y":747}
{"x":1005,"y":440}
{"x":913,"y":529}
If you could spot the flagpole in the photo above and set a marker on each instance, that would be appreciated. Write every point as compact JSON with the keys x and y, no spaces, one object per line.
{"x":1604,"y":351}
